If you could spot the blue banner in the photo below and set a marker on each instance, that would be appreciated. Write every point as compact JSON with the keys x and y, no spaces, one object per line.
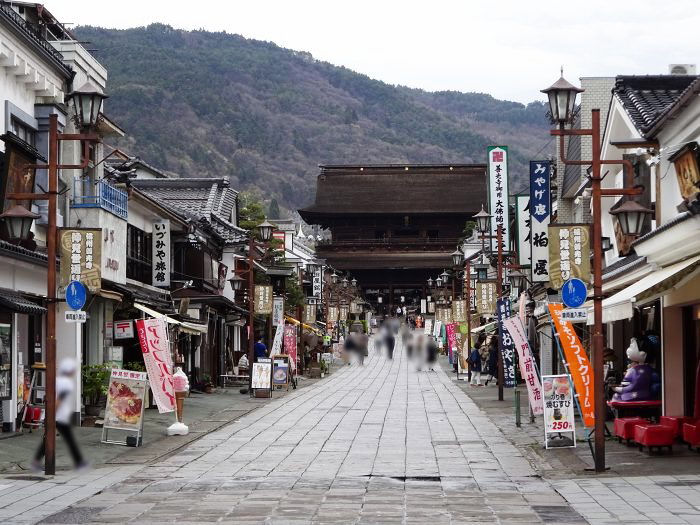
{"x":540,"y":205}
{"x":506,"y":343}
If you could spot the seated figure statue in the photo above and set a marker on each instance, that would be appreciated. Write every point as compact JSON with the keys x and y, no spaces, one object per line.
{"x":641,"y":381}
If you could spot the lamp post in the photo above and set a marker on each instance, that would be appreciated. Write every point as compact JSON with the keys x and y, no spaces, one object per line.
{"x":87,"y":103}
{"x":562,"y":100}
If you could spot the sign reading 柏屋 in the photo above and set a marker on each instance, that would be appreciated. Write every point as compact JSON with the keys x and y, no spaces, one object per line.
{"x":80,"y":252}
{"x":317,"y":282}
{"x":540,"y":214}
{"x":498,"y":194}
{"x":161,"y":252}
{"x":569,"y":254}
{"x":263,"y":299}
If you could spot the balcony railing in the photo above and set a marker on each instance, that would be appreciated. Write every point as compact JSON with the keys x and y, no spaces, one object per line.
{"x":101,"y":195}
{"x":29,"y":31}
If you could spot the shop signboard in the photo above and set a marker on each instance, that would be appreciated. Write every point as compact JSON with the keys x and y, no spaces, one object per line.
{"x":540,"y":215}
{"x":428,"y":330}
{"x":5,"y":361}
{"x":124,"y":329}
{"x":80,"y":255}
{"x":161,"y":252}
{"x":316,"y":283}
{"x":262,"y":375}
{"x":522,"y":214}
{"x":309,"y":313}
{"x":528,"y":367}
{"x":280,"y":370}
{"x":459,"y":311}
{"x":507,"y":343}
{"x":687,"y":166}
{"x":451,"y":341}
{"x":290,"y":343}
{"x":497,"y":157}
{"x":153,"y":338}
{"x":277,"y":311}
{"x":333,"y":314}
{"x":124,"y":408}
{"x":486,"y":297}
{"x":263,"y":299}
{"x":569,"y":254}
{"x":579,"y":365}
{"x":559,"y":429}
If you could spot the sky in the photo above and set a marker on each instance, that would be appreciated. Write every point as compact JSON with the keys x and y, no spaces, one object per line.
{"x":509,"y":49}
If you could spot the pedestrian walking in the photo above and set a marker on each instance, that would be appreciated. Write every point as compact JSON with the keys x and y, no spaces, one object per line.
{"x":492,"y":347}
{"x":65,"y":404}
{"x":431,"y":352}
{"x":477,"y":365}
{"x":260,"y":349}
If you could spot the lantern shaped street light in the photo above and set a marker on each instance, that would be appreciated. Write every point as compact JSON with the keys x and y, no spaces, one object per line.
{"x":334,"y":278}
{"x":18,"y":221}
{"x":311,"y":267}
{"x":345,"y":282}
{"x":630,"y":214}
{"x":517,"y":280}
{"x":457,"y":257}
{"x":87,"y":104}
{"x":430,"y":282}
{"x":237,"y":283}
{"x":265,"y":230}
{"x":353,"y":282}
{"x":482,"y":220}
{"x":562,"y":100}
{"x":438,"y":282}
{"x":606,"y":244}
{"x":445,"y":277}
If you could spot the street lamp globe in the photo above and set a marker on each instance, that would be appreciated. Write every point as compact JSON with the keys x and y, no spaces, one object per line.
{"x":482,"y":220}
{"x":562,"y":100}
{"x":630,"y":214}
{"x":353,"y":282}
{"x":517,"y":280}
{"x":18,"y":221}
{"x":438,"y":282}
{"x":430,"y":282}
{"x":345,"y":282}
{"x":265,"y":230}
{"x":87,"y":104}
{"x":334,"y":278}
{"x":445,"y":277}
{"x":237,"y":283}
{"x":457,"y":257}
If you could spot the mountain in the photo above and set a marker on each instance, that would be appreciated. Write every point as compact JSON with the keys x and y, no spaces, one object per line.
{"x":197,"y":103}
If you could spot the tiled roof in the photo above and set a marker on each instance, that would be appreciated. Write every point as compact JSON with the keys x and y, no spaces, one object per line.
{"x":208,"y":199}
{"x":647,"y":99}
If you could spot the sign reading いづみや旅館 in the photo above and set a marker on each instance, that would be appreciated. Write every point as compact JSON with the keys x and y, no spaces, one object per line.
{"x":263,"y":299}
{"x":161,"y":252}
{"x":80,"y":254}
{"x":569,"y":253}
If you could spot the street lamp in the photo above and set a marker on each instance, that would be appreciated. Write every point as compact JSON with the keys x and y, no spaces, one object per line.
{"x":482,"y":220}
{"x":457,"y":257}
{"x":438,"y":282}
{"x":606,"y":244}
{"x":18,"y":221}
{"x":353,"y":282}
{"x":87,"y":105}
{"x":517,"y":280}
{"x":630,"y":214}
{"x":265,"y":230}
{"x":237,"y":283}
{"x":445,"y":277}
{"x":334,"y":278}
{"x":345,"y":282}
{"x":430,"y":282}
{"x":562,"y":100}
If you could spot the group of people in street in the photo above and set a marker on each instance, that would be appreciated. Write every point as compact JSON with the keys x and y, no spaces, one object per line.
{"x":483,"y":360}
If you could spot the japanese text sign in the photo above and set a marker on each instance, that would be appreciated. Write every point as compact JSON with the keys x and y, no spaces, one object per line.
{"x":333,"y":314}
{"x":277,"y":311}
{"x":161,"y":252}
{"x":153,"y":337}
{"x":528,"y":367}
{"x":450,"y":330}
{"x":343,"y":312}
{"x":558,"y":410}
{"x":290,"y":344}
{"x":309,"y":313}
{"x":80,"y":252}
{"x":123,"y":329}
{"x":486,"y":297}
{"x":569,"y":254}
{"x":579,"y":366}
{"x":506,"y":343}
{"x":263,"y":299}
{"x":459,"y":311}
{"x":497,"y":157}
{"x":317,"y":280}
{"x":125,"y":397}
{"x":522,"y":211}
{"x":540,"y":215}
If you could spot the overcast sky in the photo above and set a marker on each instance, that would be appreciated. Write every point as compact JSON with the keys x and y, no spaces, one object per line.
{"x":510,"y":49}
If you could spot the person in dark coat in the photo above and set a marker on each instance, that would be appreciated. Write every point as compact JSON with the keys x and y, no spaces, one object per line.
{"x":431,"y":352}
{"x":493,"y":359}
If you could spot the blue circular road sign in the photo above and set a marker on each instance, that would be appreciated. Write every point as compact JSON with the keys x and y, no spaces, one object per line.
{"x":76,"y":295}
{"x":574,"y":293}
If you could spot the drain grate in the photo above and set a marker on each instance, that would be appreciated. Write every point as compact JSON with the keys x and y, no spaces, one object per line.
{"x":26,"y":478}
{"x":436,"y":479}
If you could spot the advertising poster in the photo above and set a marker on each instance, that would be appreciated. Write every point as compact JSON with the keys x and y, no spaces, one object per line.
{"x":153,"y":338}
{"x":262,"y":375}
{"x":451,"y":341}
{"x":290,"y":344}
{"x":507,"y":345}
{"x":125,"y":400}
{"x":497,"y":157}
{"x":559,"y":430}
{"x":280,"y":371}
{"x":540,"y":214}
{"x":80,"y":253}
{"x":528,"y":369}
{"x":569,"y":254}
{"x":579,"y":365}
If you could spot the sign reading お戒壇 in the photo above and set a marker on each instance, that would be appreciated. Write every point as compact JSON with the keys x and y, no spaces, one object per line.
{"x":80,"y":254}
{"x":569,"y":254}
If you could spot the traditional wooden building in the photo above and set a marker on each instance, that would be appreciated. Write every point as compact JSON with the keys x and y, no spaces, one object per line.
{"x":393,"y":226}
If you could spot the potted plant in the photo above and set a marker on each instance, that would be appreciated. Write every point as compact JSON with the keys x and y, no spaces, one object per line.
{"x":95,"y":382}
{"x":324,"y":367}
{"x":208,"y":385}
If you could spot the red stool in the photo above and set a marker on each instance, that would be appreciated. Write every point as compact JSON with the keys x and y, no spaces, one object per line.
{"x":691,"y":434}
{"x":651,"y":436}
{"x":676,"y":423}
{"x":624,"y":427}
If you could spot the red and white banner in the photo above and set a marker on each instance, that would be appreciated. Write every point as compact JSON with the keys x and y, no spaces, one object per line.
{"x":527,"y":364}
{"x":290,"y":344}
{"x":153,"y":336}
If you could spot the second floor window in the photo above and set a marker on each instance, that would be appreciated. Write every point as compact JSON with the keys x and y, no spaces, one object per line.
{"x":24,"y":132}
{"x":138,"y":254}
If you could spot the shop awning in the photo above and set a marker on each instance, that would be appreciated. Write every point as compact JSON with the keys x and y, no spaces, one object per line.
{"x":188,"y":327}
{"x":487,"y":327}
{"x":19,"y":303}
{"x":297,"y":322}
{"x":657,"y":283}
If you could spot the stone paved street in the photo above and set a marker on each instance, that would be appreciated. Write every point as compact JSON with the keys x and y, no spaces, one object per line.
{"x":375,"y":444}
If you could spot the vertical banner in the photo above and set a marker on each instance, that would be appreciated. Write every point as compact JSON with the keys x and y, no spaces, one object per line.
{"x":263,"y":299}
{"x":558,"y":412}
{"x":540,"y":214}
{"x":452,"y":349}
{"x":317,"y":280}
{"x":528,"y":370}
{"x":277,"y":311}
{"x":343,"y":313}
{"x":277,"y":341}
{"x":80,"y":254}
{"x":290,"y":344}
{"x":522,"y":214}
{"x":462,"y":348}
{"x":423,"y":306}
{"x":333,"y":314}
{"x":579,"y":366}
{"x":428,"y":329}
{"x":459,"y":311}
{"x":161,"y":252}
{"x":569,"y":254}
{"x":309,"y":314}
{"x":486,"y":297}
{"x":498,"y":194}
{"x":153,"y":337}
{"x":506,"y":343}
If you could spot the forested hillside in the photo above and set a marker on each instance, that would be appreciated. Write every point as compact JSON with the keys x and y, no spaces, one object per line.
{"x":215,"y":104}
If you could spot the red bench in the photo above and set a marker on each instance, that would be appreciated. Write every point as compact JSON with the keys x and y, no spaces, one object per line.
{"x":691,"y":434}
{"x":653,"y":436}
{"x":676,"y":423}
{"x":624,"y":427}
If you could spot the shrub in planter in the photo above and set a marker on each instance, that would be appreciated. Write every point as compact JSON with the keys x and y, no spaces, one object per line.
{"x":95,"y":383}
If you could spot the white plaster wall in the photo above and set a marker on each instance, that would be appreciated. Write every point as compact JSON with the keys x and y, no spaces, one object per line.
{"x":113,"y":238}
